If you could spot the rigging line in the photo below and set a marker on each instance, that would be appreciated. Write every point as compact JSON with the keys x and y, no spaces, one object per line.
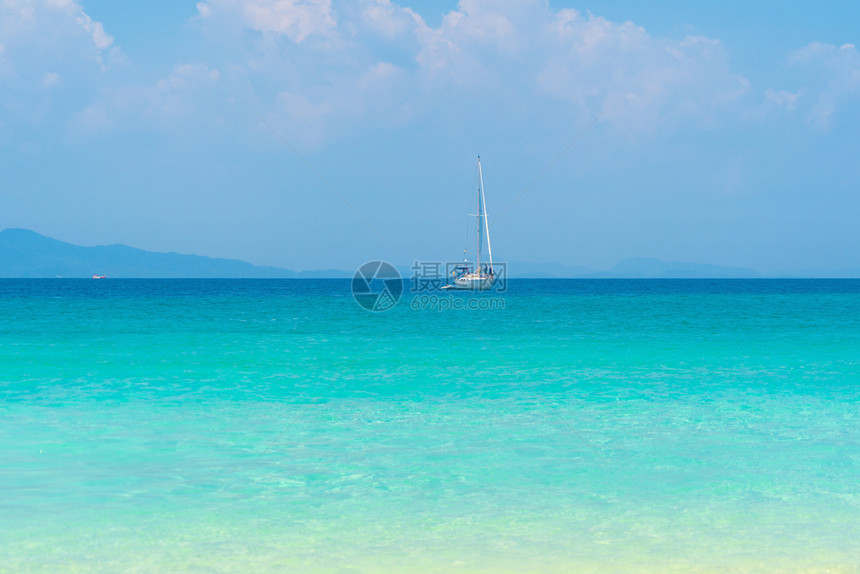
{"x":321,"y":178}
{"x":546,"y":169}
{"x":552,"y":408}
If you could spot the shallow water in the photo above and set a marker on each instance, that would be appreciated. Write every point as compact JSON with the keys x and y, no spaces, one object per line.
{"x":236,"y":425}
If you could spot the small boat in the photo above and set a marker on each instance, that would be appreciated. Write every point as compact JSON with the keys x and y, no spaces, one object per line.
{"x":482,"y":275}
{"x":99,"y":276}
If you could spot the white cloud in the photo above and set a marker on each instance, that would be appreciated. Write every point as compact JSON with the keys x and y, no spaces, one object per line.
{"x":295,"y":19}
{"x":185,"y":76}
{"x":820,"y":52}
{"x":389,"y":19}
{"x":304,"y":119}
{"x":309,"y":116}
{"x":90,"y":121}
{"x":532,"y":53}
{"x":22,"y":16}
{"x":63,"y":25}
{"x":178,"y":96}
{"x":203,"y":10}
{"x":639,"y":80}
{"x":511,"y":53}
{"x":51,"y":80}
{"x":378,"y":74}
{"x":5,"y":66}
{"x":168,"y":105}
{"x":782,"y":98}
{"x":101,"y":39}
{"x":477,"y":38}
{"x":49,"y":44}
{"x":833,"y":77}
{"x":381,"y":63}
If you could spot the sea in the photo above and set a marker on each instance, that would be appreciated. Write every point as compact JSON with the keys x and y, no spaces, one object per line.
{"x":560,"y":426}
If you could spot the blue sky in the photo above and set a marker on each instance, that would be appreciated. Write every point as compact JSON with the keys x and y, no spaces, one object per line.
{"x":727,"y":134}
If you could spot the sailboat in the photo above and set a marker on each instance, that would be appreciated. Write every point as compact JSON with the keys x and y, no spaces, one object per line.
{"x":482,"y":275}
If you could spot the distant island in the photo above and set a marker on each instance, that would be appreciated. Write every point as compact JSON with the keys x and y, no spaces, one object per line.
{"x":634,"y":268}
{"x":27,"y":254}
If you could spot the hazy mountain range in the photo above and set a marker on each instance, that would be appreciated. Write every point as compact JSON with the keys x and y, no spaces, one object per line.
{"x":633,"y":268}
{"x":27,"y":254}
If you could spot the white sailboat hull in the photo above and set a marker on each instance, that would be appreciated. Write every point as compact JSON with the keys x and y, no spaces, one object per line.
{"x":472,"y":282}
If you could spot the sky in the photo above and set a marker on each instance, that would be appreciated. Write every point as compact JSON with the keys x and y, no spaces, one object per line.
{"x":317,"y":134}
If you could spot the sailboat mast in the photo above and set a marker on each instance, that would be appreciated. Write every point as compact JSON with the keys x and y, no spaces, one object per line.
{"x":484,"y":212}
{"x":480,"y":221}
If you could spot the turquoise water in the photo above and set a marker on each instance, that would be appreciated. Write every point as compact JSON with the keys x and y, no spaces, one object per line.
{"x":586,"y":426}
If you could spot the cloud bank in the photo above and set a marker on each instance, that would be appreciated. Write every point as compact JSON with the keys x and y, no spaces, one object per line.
{"x":511,"y":54}
{"x":322,"y":69}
